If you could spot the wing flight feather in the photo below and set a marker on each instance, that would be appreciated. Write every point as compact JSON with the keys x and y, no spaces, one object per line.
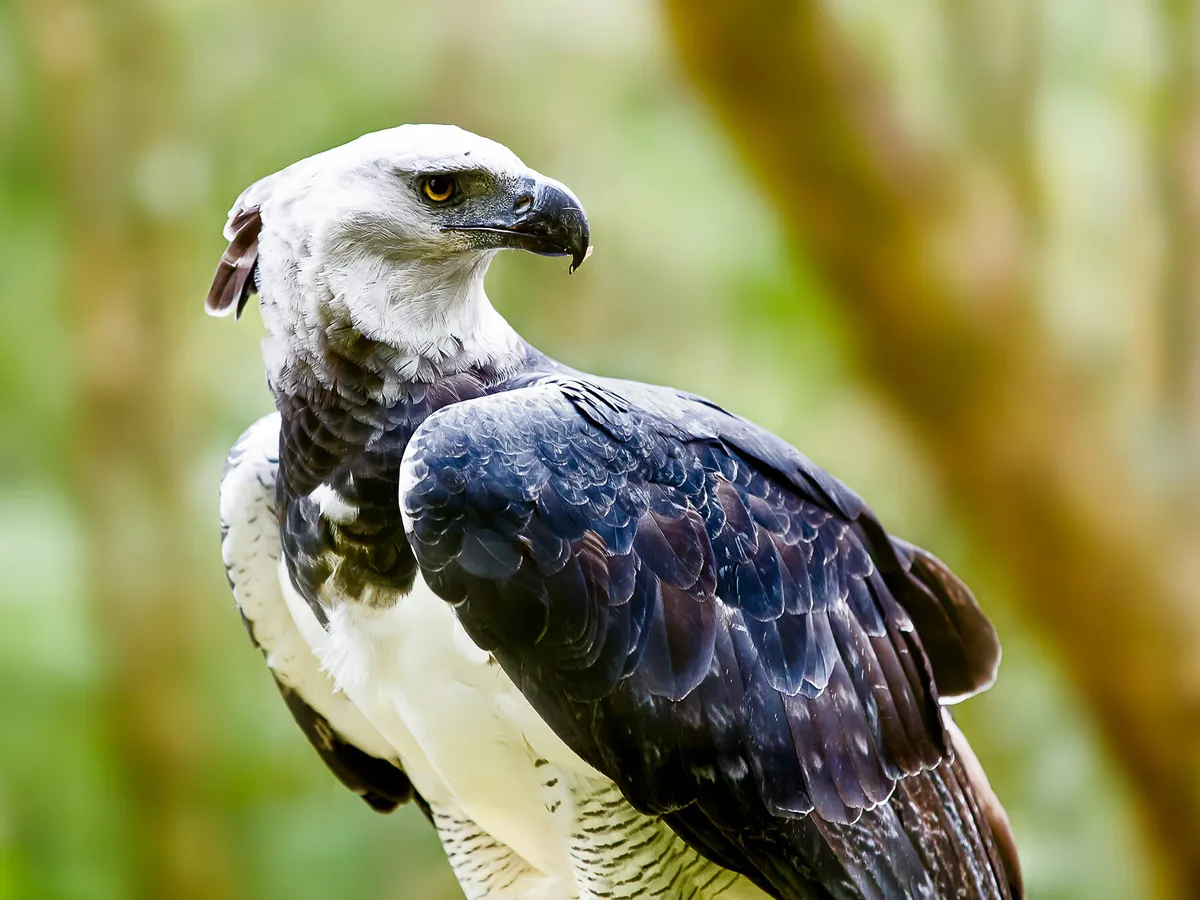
{"x":709,"y":619}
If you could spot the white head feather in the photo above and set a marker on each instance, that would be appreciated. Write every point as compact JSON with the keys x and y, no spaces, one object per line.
{"x":353,"y":263}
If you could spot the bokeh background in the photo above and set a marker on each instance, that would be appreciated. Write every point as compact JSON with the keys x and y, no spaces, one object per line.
{"x":947,"y":247}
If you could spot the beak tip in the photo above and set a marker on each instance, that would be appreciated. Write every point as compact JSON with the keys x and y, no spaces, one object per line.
{"x":579,"y":259}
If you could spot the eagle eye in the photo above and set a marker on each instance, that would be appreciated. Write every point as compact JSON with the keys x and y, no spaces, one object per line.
{"x":439,"y":188}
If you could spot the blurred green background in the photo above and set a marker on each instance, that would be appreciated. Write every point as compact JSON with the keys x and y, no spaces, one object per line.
{"x":144,"y":751}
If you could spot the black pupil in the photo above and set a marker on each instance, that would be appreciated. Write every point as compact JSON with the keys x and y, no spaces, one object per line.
{"x":440,"y":186}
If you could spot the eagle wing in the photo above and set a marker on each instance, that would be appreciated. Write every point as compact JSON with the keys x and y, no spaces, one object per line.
{"x":352,"y":748}
{"x":717,"y":625}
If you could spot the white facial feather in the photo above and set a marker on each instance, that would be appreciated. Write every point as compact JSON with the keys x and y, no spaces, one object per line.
{"x":349,"y":251}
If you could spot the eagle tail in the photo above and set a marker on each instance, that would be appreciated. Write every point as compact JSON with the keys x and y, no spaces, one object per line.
{"x":943,"y":833}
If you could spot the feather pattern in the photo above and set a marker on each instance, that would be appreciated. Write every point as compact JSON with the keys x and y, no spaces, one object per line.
{"x":709,"y":620}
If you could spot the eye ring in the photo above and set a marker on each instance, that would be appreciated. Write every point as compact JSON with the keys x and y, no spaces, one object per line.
{"x":439,"y":188}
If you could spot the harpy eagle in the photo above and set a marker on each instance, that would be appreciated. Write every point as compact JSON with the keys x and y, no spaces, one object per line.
{"x":616,"y":641}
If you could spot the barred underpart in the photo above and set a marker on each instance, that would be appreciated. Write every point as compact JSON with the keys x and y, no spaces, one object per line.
{"x":620,"y":854}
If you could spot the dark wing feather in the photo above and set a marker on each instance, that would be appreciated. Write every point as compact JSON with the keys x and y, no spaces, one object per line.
{"x":960,"y":640}
{"x":957,"y":637}
{"x":380,"y":782}
{"x":704,"y":616}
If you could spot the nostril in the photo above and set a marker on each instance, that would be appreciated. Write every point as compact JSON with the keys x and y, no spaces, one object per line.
{"x":523,"y":202}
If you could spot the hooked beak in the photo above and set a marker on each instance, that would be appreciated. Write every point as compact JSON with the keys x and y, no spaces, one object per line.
{"x":545,"y":218}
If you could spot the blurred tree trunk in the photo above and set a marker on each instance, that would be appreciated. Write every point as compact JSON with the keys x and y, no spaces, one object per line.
{"x":946,"y":328}
{"x":105,"y":71}
{"x":1179,"y":184}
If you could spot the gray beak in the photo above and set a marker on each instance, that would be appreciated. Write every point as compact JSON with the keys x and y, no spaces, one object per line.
{"x":545,"y":218}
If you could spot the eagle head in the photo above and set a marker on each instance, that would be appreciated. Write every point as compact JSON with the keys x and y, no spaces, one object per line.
{"x":388,"y":237}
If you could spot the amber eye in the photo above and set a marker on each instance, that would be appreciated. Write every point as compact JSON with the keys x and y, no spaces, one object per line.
{"x":438,"y":188}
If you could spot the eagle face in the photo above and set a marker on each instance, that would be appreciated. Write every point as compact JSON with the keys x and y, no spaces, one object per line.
{"x":420,"y":192}
{"x":614,"y":640}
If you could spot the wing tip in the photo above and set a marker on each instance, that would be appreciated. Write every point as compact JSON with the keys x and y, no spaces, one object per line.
{"x":960,"y":640}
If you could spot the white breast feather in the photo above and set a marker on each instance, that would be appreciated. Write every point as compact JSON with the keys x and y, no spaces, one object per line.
{"x":252,"y":555}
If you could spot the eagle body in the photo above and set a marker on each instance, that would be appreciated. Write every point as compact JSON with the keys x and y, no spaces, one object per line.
{"x":616,"y":641}
{"x":516,"y":808}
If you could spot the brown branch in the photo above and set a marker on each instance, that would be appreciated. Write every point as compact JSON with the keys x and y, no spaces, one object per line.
{"x":942,"y":318}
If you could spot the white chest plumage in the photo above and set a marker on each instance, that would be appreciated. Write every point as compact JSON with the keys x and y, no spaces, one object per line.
{"x":511,"y":801}
{"x":466,"y":736}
